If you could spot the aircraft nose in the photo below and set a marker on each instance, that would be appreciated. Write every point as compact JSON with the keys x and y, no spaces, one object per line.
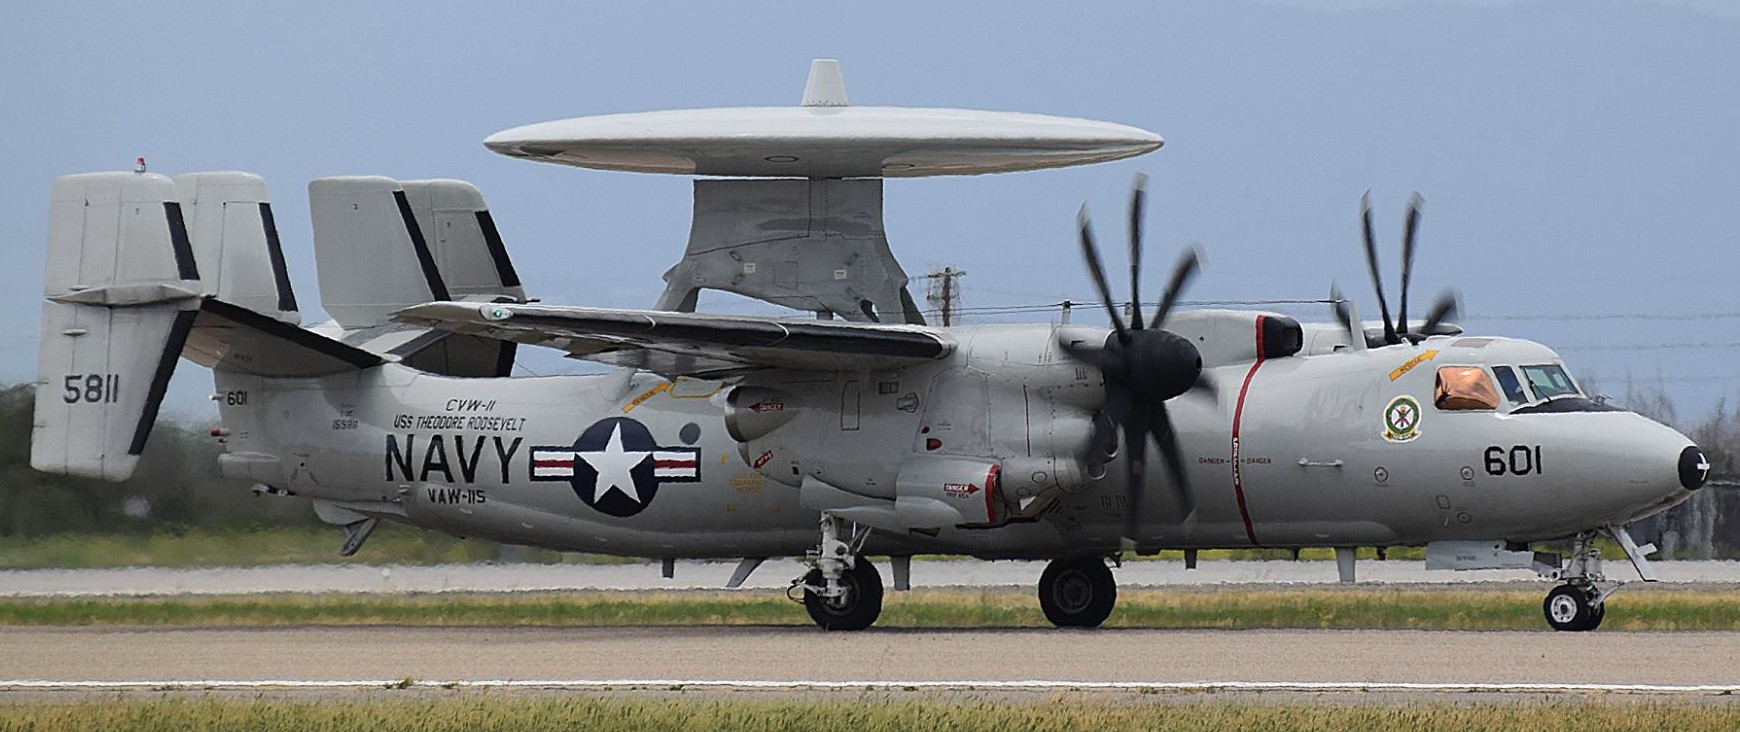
{"x":1694,"y":468}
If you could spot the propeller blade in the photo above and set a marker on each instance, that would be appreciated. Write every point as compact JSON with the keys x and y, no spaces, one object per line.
{"x":1098,"y":356}
{"x":1138,"y":200}
{"x":1160,"y":426}
{"x":1443,"y":309}
{"x":1092,"y":254}
{"x":1186,"y":268}
{"x":1136,"y":467}
{"x":1343,"y":315}
{"x":1371,"y":259}
{"x":1408,"y":230}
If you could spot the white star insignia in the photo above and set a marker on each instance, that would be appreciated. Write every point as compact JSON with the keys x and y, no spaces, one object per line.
{"x":615,"y":467}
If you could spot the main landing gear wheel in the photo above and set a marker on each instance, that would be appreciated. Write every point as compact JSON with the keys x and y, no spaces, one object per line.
{"x":856,"y":608}
{"x":1078,"y":592}
{"x":1569,"y":607}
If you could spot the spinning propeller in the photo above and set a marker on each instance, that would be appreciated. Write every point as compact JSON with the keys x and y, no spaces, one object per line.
{"x":1443,"y":308}
{"x":1143,"y":365}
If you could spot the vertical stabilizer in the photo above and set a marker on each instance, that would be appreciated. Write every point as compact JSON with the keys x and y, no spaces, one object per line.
{"x":370,"y":252}
{"x":468,"y":250}
{"x":122,"y":285}
{"x":235,"y":240}
{"x":383,"y":245}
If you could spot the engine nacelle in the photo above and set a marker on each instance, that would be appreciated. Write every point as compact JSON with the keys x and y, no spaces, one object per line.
{"x":753,"y":411}
{"x":1237,"y":336}
{"x":940,"y":490}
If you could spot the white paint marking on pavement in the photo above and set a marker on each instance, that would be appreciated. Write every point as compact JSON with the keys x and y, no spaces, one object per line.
{"x":880,"y":685}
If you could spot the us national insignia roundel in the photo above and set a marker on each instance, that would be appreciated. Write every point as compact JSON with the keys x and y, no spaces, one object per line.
{"x":616,"y":467}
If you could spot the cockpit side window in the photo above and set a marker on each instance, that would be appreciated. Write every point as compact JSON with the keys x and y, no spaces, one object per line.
{"x":1548,"y":381}
{"x":1513,"y":389}
{"x":1463,"y":388}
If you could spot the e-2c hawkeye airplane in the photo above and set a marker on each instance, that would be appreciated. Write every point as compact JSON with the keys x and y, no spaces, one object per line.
{"x":862,"y":432}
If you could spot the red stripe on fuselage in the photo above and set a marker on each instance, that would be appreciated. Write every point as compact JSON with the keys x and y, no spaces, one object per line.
{"x":1238,"y":417}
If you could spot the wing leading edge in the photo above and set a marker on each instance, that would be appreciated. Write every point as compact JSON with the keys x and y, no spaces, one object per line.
{"x":688,"y":344}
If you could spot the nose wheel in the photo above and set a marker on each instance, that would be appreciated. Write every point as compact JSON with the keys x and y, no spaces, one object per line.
{"x":1077,"y":592}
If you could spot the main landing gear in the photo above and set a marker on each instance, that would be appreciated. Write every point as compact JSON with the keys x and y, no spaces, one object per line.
{"x":1077,"y":592}
{"x":1581,"y":602}
{"x":842,"y":590}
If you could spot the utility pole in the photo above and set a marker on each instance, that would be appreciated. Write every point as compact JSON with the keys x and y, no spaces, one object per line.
{"x":942,"y":294}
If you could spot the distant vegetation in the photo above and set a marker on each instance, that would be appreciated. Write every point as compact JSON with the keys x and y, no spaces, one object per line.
{"x":177,"y":511}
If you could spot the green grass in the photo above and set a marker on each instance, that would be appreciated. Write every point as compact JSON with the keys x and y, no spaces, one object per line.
{"x":400,"y":544}
{"x":205,"y":547}
{"x":1304,"y":607}
{"x":861,"y":714}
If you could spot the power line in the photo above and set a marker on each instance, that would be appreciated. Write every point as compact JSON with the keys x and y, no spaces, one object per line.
{"x":1649,"y":346}
{"x":1610,"y":316}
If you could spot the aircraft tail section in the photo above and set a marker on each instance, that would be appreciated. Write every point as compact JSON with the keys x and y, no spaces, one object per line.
{"x":123,"y":287}
{"x":141,"y":271}
{"x":382,"y":245}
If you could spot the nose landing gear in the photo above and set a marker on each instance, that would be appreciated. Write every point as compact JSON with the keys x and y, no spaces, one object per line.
{"x":1581,"y":602}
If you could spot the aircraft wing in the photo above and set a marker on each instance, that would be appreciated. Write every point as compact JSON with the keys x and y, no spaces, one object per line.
{"x":689,"y":343}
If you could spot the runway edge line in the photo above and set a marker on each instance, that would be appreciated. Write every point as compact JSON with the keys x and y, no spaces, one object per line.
{"x":880,"y":685}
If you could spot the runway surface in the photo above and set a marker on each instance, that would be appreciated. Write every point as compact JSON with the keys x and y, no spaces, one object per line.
{"x":776,"y":573}
{"x":1446,"y":660}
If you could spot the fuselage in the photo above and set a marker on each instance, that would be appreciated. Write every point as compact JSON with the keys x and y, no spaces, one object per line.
{"x":1349,"y":448}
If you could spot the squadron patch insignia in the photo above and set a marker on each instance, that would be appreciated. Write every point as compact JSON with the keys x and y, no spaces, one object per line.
{"x":616,"y":467}
{"x":1402,"y":419}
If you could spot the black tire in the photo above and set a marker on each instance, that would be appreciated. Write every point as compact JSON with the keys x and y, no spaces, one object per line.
{"x":1596,"y":615}
{"x":857,"y":609}
{"x":1568,"y":608}
{"x":1077,"y":592}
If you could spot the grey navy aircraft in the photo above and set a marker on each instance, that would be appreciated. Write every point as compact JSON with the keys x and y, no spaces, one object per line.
{"x":859,"y":432}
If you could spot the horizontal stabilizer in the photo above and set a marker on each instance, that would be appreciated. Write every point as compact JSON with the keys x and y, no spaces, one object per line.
{"x":226,"y":337}
{"x":690,"y":343}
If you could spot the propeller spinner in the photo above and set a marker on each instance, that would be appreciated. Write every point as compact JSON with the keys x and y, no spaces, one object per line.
{"x":1143,"y":366}
{"x":1443,"y":308}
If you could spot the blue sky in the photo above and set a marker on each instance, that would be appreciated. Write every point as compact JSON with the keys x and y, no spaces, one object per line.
{"x":1579,"y":159}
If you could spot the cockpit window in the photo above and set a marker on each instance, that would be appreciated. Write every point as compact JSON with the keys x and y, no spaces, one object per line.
{"x":1513,"y":389}
{"x":1549,"y":381}
{"x":1464,"y":388}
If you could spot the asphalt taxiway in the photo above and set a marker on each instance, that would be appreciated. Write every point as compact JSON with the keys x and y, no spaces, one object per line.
{"x":798,"y":657}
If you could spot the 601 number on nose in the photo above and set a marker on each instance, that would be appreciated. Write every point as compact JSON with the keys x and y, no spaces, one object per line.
{"x":1514,"y":460}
